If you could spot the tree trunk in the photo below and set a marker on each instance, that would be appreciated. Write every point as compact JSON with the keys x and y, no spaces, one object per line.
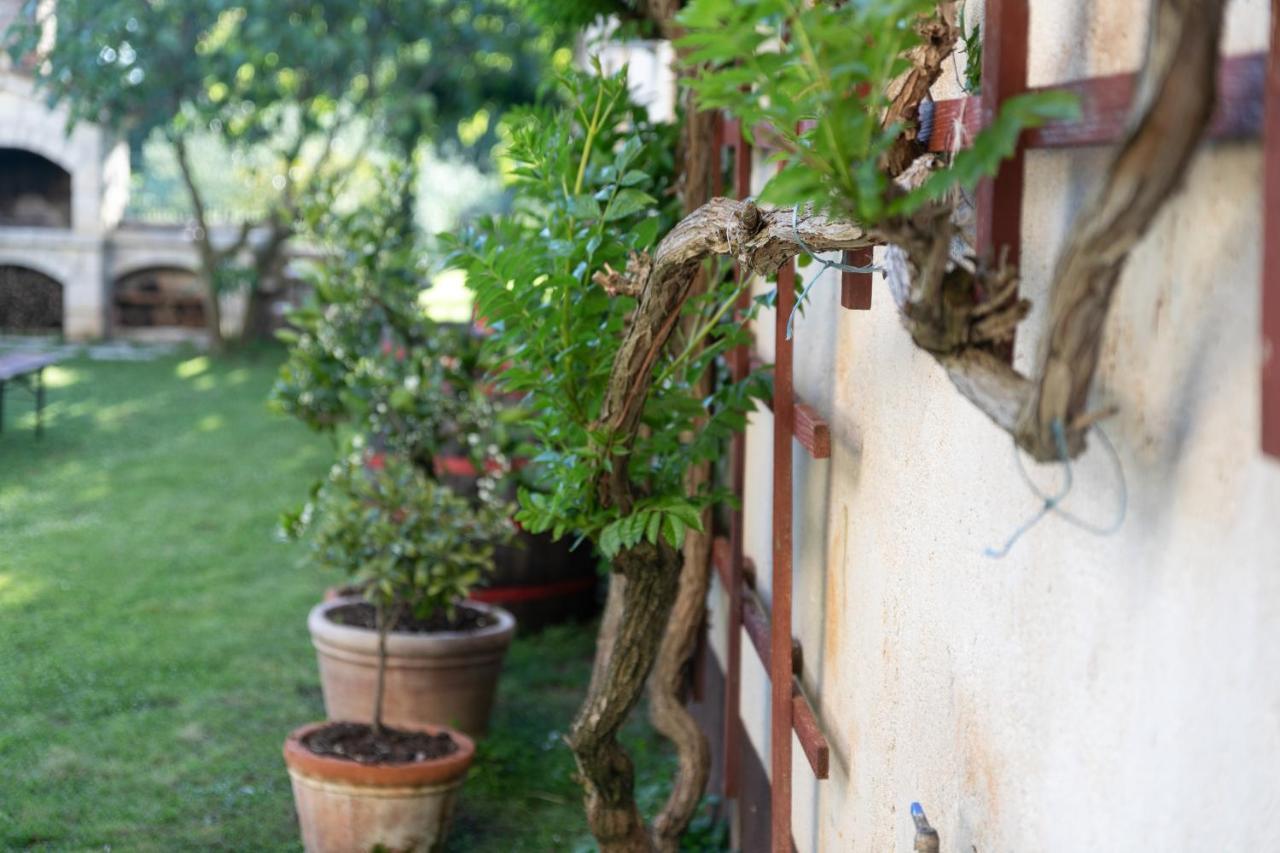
{"x":211,"y":258}
{"x":268,"y":276}
{"x":644,"y":584}
{"x":668,"y":685}
{"x":207,"y":276}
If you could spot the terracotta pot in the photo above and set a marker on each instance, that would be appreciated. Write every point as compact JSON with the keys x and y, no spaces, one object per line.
{"x":345,"y":807}
{"x":446,"y":678}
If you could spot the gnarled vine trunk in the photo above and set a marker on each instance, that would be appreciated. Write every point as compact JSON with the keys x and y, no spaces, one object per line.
{"x":697,"y":158}
{"x":643,"y":587}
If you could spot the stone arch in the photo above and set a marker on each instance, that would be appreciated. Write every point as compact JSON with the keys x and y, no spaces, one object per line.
{"x":41,"y":132}
{"x":35,"y":191}
{"x":157,"y":295}
{"x":30,"y":300}
{"x":49,"y":264}
{"x":125,"y":261}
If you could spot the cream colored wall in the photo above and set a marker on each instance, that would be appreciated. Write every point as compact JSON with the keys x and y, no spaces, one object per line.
{"x":1117,"y":693}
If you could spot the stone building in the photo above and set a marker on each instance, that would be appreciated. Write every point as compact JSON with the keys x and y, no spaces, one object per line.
{"x":70,"y":260}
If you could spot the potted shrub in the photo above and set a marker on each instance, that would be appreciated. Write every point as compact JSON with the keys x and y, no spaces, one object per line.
{"x":414,"y":549}
{"x":375,"y":776}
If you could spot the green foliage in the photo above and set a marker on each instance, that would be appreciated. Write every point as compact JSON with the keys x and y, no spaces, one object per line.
{"x":364,"y":352}
{"x":972,"y":52}
{"x":593,"y":184}
{"x":407,"y":540}
{"x":831,"y":75}
{"x":252,"y":70}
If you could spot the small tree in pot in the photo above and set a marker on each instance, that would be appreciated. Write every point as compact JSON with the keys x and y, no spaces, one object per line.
{"x":416,"y":548}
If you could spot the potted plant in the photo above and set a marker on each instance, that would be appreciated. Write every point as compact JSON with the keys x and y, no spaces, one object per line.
{"x":413,"y":548}
{"x":376,"y":774}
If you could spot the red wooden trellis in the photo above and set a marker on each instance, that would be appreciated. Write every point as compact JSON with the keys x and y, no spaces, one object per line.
{"x":1247,"y":86}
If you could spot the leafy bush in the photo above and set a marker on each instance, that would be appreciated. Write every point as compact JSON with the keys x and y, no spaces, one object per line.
{"x":408,"y":541}
{"x":363,"y":352}
{"x":593,"y":185}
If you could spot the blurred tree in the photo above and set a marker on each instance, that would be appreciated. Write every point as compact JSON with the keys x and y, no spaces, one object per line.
{"x":282,"y":83}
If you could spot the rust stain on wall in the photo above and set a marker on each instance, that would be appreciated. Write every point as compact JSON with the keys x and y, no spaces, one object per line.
{"x":981,"y":767}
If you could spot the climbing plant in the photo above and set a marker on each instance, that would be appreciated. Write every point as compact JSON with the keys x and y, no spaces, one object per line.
{"x":595,"y":307}
{"x":590,"y":179}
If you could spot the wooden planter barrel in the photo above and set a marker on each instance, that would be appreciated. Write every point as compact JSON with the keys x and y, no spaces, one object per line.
{"x":540,"y":580}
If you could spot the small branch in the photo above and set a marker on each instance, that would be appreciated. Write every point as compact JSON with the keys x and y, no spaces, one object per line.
{"x":762,"y":240}
{"x":938,"y":34}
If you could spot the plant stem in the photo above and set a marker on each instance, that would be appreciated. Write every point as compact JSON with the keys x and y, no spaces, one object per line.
{"x":382,"y":621}
{"x":819,"y":74}
{"x":703,"y":332}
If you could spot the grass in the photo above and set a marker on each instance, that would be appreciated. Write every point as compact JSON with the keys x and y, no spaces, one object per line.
{"x":153,"y":651}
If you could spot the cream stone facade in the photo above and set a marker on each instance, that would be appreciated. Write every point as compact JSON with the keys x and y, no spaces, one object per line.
{"x":99,"y":170}
{"x":89,"y":254}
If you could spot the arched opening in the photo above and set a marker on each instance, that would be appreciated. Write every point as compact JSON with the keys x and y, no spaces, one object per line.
{"x":30,"y":301}
{"x":34,"y":191}
{"x":157,"y":296}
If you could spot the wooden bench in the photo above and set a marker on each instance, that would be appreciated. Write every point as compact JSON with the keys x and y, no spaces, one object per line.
{"x":25,"y":369}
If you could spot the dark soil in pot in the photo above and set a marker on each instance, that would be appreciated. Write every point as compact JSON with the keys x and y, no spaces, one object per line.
{"x":358,"y":742}
{"x":361,"y":614}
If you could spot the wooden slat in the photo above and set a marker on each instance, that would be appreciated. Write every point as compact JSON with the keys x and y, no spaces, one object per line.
{"x":812,"y":432}
{"x":1104,"y":109}
{"x":1004,"y":75}
{"x":1271,"y":247}
{"x":809,"y":428}
{"x":721,"y":559}
{"x":780,"y":588}
{"x":855,"y":287}
{"x":809,"y":733}
{"x":756,"y":624}
{"x":755,"y":621}
{"x":740,"y":365}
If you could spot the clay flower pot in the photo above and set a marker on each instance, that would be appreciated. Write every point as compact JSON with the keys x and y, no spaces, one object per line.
{"x":345,"y":806}
{"x":445,"y":678}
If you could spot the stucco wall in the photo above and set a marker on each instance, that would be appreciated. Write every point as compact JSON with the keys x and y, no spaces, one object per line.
{"x":1115,"y":693}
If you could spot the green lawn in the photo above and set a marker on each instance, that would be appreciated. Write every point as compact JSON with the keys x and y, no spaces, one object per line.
{"x":153,"y":651}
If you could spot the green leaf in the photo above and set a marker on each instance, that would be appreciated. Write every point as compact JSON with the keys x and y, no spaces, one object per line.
{"x":584,"y":207}
{"x":627,"y":202}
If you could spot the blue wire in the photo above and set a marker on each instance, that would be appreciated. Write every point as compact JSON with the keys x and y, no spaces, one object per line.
{"x":1052,"y":503}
